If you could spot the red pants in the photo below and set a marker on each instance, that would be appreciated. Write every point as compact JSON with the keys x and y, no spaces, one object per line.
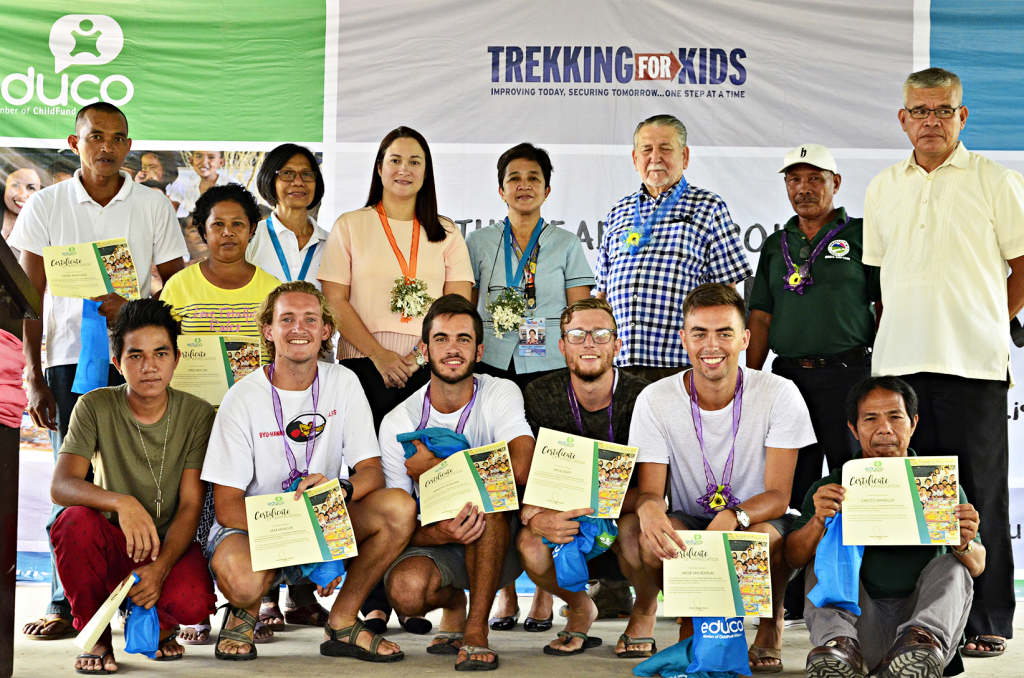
{"x":92,"y":560}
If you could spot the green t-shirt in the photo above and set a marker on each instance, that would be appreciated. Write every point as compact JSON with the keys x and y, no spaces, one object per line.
{"x":886,"y":571}
{"x":834,"y":314}
{"x":102,"y":429}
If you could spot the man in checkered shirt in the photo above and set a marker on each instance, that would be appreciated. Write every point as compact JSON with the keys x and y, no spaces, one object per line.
{"x":647,"y":266}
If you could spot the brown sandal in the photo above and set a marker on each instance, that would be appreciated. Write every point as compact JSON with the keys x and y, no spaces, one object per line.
{"x":65,"y":629}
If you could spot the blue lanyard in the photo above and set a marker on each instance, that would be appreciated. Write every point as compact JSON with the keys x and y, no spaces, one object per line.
{"x":648,"y":224}
{"x":514,"y":280}
{"x":284,"y":261}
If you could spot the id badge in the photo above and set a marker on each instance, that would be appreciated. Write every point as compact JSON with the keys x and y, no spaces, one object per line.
{"x":532,"y":336}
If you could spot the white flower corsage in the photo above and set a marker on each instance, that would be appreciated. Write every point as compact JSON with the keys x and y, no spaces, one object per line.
{"x":410,"y":298}
{"x":507,"y":311}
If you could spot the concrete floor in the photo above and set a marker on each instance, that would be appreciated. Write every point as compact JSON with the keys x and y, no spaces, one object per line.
{"x":296,"y":653}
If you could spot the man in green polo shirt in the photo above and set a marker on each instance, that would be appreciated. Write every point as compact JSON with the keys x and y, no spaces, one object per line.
{"x":811,"y":305}
{"x":914,"y":600}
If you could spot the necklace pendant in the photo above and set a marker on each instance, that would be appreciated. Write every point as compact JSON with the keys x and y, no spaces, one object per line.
{"x":159,"y":501}
{"x":805,"y":251}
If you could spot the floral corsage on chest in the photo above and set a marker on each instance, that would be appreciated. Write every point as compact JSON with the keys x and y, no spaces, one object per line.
{"x":507,"y":311}
{"x":634,"y":239}
{"x":409,"y":297}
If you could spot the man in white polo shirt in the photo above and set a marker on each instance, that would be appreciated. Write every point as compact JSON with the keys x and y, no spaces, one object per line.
{"x":100,"y":202}
{"x":947,"y":227}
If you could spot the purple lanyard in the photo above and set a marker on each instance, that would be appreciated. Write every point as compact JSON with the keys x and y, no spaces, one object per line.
{"x":797,"y":279}
{"x":708,"y":501}
{"x":465,"y":413}
{"x":575,"y":407}
{"x":310,"y":441}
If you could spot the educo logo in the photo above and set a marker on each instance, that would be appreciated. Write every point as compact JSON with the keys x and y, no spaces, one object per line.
{"x":196,"y":343}
{"x":696,"y":541}
{"x":70,"y":252}
{"x":720,"y":627}
{"x":278,"y":501}
{"x":876,"y":468}
{"x":75,"y":40}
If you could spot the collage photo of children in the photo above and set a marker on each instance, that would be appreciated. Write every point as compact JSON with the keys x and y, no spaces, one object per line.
{"x":750,"y":558}
{"x":494,"y":466}
{"x":939,"y":494}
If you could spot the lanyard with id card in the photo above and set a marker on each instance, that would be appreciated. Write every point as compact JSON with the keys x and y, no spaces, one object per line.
{"x":532,"y":334}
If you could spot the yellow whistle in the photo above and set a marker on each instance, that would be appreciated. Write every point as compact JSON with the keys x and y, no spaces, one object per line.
{"x":795,"y":279}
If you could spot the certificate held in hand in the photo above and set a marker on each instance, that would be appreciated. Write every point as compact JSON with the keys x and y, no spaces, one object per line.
{"x":210,"y":364}
{"x":572,"y":472}
{"x":91,"y":269}
{"x":901,"y":501}
{"x":314,"y":529}
{"x":481,"y":476}
{"x":720,"y":574}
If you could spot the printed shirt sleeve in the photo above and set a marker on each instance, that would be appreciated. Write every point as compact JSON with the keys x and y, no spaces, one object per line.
{"x":457,"y":265}
{"x":648,"y":433}
{"x":230,"y":453}
{"x":790,"y":423}
{"x":1008,"y":211}
{"x":761,"y":298}
{"x":603,"y":262}
{"x":727,"y":262}
{"x":336,"y":264}
{"x":392,"y":456}
{"x":168,"y":241}
{"x":30,"y":232}
{"x":577,"y":271}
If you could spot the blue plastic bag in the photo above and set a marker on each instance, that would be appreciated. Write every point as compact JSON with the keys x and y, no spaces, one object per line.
{"x":325,"y":573}
{"x":596,"y":536}
{"x":673,"y":662}
{"x":837,"y":568}
{"x":141,"y":629}
{"x":719,"y":645}
{"x":93,"y":369}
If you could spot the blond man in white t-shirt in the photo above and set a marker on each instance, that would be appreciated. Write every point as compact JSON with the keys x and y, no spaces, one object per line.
{"x":275,"y":409}
{"x":947,"y":228}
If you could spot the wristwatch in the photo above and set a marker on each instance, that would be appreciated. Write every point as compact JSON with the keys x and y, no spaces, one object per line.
{"x":969,"y":549}
{"x":346,"y":486}
{"x":421,"y":359}
{"x":741,"y":517}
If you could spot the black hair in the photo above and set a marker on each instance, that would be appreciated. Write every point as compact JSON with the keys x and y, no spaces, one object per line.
{"x":167,"y":162}
{"x":426,"y":199}
{"x":140,"y":313}
{"x":267,"y":177}
{"x":861,"y":390}
{"x":453,"y":304}
{"x":525,"y":151}
{"x":102,"y":107}
{"x":61,"y":165}
{"x":217,"y":194}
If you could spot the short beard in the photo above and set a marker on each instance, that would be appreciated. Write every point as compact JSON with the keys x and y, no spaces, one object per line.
{"x":470,"y":369}
{"x":590,"y":378}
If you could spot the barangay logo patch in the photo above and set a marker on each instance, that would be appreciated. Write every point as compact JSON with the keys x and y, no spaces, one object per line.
{"x":838,"y":249}
{"x":298,"y":429}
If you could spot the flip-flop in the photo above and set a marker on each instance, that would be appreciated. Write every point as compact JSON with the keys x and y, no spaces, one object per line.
{"x":260,"y":626}
{"x":308,"y":615}
{"x":997,"y":644}
{"x":271,"y":615}
{"x":237,"y":634}
{"x":340,"y":648}
{"x":636,"y":654}
{"x":468,"y":664}
{"x":100,"y":671}
{"x":199,"y":630}
{"x":47,"y":623}
{"x":757,"y":652}
{"x":448,"y":646}
{"x":170,"y":639}
{"x":567,"y":637}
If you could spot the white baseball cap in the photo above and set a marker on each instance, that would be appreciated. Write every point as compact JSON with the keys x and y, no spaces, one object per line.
{"x":811,"y":154}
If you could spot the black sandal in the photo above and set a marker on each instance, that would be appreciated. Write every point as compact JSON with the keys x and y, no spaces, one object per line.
{"x":567,"y":637}
{"x":469,"y":664}
{"x":171,"y":639}
{"x":100,"y":671}
{"x":636,"y":654}
{"x":448,"y":646}
{"x":237,"y":634}
{"x":997,"y":646}
{"x":340,"y":648}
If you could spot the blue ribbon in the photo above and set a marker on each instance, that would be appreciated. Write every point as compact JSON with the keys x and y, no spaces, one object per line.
{"x":514,"y":280}
{"x":93,"y":369}
{"x":281,"y":258}
{"x":643,"y":229}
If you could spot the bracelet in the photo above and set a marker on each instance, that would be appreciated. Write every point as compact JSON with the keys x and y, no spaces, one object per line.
{"x":969,"y":549}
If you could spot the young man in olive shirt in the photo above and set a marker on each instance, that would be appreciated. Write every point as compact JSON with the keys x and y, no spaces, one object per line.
{"x":602,"y":398}
{"x":914,"y":600}
{"x":147,"y":443}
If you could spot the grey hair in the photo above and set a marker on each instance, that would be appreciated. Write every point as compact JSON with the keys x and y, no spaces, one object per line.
{"x":663,"y":120}
{"x":931,"y":78}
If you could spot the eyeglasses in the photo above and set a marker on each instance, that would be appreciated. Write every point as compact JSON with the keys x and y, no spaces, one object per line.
{"x":289,"y":175}
{"x":600,"y":336}
{"x":944,"y":113}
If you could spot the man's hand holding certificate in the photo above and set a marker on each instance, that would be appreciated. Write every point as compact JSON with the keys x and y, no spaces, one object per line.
{"x":91,"y":269}
{"x":890,"y":501}
{"x":284,"y":531}
{"x":482,"y":477}
{"x":719,"y":574}
{"x":572,"y":472}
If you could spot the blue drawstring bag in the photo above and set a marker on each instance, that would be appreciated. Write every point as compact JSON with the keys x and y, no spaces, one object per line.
{"x":443,"y":442}
{"x":93,"y":369}
{"x":673,"y":662}
{"x":141,"y":629}
{"x":719,"y":647}
{"x":596,"y":536}
{"x":324,"y":573}
{"x":837,"y":568}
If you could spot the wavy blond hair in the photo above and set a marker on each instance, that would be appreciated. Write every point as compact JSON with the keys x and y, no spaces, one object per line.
{"x":266,"y":314}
